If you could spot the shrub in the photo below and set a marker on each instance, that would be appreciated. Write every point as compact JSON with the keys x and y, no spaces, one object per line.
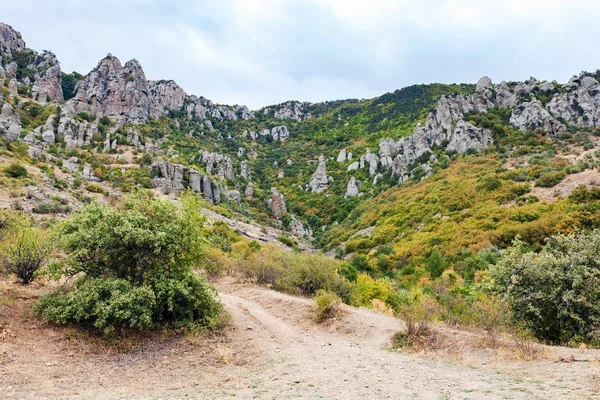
{"x":555,"y":292}
{"x":50,"y":207}
{"x":24,"y":250}
{"x":550,"y":179}
{"x":138,"y":262}
{"x":326,"y":305}
{"x":417,"y":315}
{"x":491,"y":314}
{"x":366,"y":289}
{"x":15,"y":171}
{"x":306,"y":274}
{"x":262,"y":266}
{"x":90,"y":187}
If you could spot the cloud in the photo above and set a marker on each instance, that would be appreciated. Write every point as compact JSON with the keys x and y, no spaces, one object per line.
{"x":260,"y":52}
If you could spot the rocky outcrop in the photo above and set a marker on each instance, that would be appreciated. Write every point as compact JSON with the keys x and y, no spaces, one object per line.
{"x":289,"y":110}
{"x":10,"y":123}
{"x":353,"y":188}
{"x":245,"y":170}
{"x":578,"y":105}
{"x":277,"y":204}
{"x":72,"y":164}
{"x":342,"y":156}
{"x":297,"y":228}
{"x":226,"y":169}
{"x":280,"y":132}
{"x":41,"y":73}
{"x":249,"y":191}
{"x":172,"y":178}
{"x":10,"y":39}
{"x":319,"y":181}
{"x":119,"y":92}
{"x":166,"y":95}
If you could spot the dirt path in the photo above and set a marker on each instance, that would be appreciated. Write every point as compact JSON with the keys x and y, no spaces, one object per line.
{"x":350,"y":360}
{"x":273,"y":351}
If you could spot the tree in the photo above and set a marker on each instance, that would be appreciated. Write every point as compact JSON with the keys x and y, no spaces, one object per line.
{"x":136,"y":265}
{"x":556,"y":291}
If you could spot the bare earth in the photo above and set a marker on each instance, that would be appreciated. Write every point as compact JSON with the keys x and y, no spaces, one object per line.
{"x":273,"y":350}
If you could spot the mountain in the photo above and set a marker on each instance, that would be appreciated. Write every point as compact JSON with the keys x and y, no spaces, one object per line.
{"x":423,"y":171}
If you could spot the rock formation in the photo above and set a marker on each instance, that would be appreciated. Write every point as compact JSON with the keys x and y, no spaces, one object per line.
{"x":289,"y":110}
{"x":172,"y":178}
{"x":277,"y":204}
{"x":353,"y":188}
{"x":319,"y":181}
{"x":43,"y":70}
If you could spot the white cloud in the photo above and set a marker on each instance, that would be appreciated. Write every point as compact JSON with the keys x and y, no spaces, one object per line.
{"x":259,"y":52}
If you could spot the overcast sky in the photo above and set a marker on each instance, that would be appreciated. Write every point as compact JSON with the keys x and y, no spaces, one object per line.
{"x":260,"y":52}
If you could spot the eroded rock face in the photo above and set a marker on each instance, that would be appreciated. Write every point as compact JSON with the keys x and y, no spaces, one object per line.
{"x":44,"y":70}
{"x":11,"y":39}
{"x":172,"y":178}
{"x":277,"y":204}
{"x":10,"y":123}
{"x":297,"y":228}
{"x":119,"y":92}
{"x":353,"y":188}
{"x":319,"y":181}
{"x":280,"y":133}
{"x":289,"y":110}
{"x":166,"y":95}
{"x":249,"y":191}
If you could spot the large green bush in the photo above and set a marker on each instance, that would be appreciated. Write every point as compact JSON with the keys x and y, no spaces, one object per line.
{"x":136,"y":263}
{"x":556,"y":291}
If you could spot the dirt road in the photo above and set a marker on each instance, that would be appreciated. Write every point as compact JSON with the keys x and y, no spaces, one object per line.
{"x":274,"y":351}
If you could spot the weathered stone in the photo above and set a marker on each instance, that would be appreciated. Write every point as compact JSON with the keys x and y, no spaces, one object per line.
{"x":319,"y":182}
{"x":352,"y":189}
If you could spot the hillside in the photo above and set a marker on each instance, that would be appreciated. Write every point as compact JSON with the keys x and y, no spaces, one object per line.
{"x":447,"y":231}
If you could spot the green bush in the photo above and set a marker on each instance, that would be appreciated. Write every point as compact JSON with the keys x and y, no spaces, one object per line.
{"x":326,"y":305}
{"x":138,"y":264}
{"x":51,"y":207}
{"x":90,"y":187}
{"x":550,"y":179}
{"x":555,"y":292}
{"x":15,"y":171}
{"x":306,"y":274}
{"x":24,"y":250}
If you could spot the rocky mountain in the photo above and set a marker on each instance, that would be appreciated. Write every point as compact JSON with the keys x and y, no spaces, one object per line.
{"x":303,"y":167}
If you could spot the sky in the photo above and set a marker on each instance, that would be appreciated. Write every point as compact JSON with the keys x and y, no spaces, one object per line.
{"x":262,"y":52}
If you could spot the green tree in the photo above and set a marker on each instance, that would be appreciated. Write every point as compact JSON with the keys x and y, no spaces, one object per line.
{"x":556,"y":291}
{"x":137,"y":262}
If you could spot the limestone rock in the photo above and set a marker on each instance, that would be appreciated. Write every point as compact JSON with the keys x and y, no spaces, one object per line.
{"x":353,"y":167}
{"x":289,"y":110}
{"x":352,"y":189}
{"x":249,"y":192}
{"x":319,"y":182}
{"x":342,"y":156}
{"x":165,"y":95}
{"x":281,"y":133}
{"x":72,"y":164}
{"x":245,"y":170}
{"x":277,"y":204}
{"x":10,"y":123}
{"x":119,"y":92}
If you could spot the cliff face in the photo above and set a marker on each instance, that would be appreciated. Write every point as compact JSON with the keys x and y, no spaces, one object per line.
{"x":28,"y":72}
